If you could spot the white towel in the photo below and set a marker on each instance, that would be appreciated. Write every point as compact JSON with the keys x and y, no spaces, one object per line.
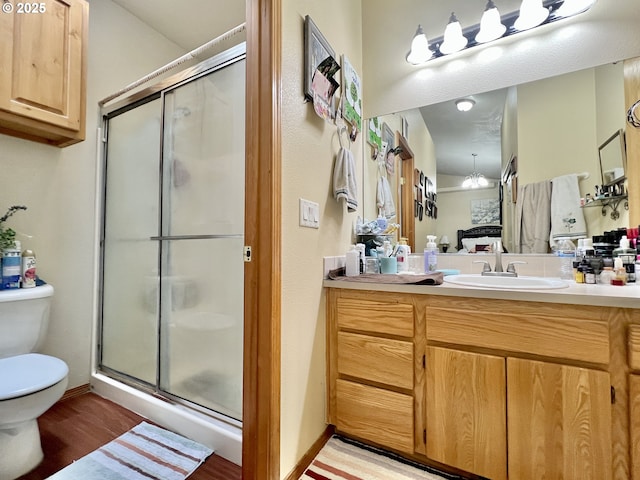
{"x":567,"y":218}
{"x":344,"y":179}
{"x":385,"y":199}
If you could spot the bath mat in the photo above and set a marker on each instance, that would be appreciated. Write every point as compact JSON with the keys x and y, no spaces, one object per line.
{"x":342,"y":458}
{"x":145,"y":452}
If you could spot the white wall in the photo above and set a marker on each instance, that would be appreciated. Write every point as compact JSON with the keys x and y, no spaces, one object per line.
{"x":309,"y":146}
{"x":58,"y":185}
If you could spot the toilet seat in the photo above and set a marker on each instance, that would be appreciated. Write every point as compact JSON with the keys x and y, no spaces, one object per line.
{"x":29,"y":373}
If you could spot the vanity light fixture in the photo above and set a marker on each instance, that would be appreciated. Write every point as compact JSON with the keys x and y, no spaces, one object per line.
{"x":454,"y":41}
{"x":493,"y":27}
{"x":420,"y":51}
{"x":465,"y":104}
{"x":476,"y":179}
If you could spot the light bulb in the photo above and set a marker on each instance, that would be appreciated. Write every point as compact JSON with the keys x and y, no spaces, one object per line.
{"x":491,"y":28}
{"x":454,"y":41}
{"x":465,"y":104}
{"x":573,"y":7}
{"x":420,"y":51}
{"x":532,"y":14}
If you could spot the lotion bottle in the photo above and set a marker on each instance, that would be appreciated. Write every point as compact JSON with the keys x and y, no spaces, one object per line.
{"x":431,"y":254}
{"x":402,"y":256}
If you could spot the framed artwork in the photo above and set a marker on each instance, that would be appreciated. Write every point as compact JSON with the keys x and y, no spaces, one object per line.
{"x":316,"y":51}
{"x":352,"y":91}
{"x":485,"y":211}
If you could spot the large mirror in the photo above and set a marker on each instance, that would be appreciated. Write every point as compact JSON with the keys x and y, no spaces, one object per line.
{"x":515,"y":136}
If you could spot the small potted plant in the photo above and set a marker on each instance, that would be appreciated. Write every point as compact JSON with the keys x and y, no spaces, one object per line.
{"x":8,"y":235}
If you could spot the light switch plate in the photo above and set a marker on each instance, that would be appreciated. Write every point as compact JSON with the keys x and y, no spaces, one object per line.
{"x":309,"y":214}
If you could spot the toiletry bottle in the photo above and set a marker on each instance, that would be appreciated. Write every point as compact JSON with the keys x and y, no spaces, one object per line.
{"x":431,"y":254}
{"x":387,"y":249}
{"x":352,"y":262}
{"x":361,"y":248}
{"x":382,"y":223}
{"x":402,"y":256}
{"x":566,"y":250}
{"x":28,"y":269}
{"x":607,"y":275}
{"x":620,"y":274}
{"x":11,"y":266}
{"x":628,"y":256}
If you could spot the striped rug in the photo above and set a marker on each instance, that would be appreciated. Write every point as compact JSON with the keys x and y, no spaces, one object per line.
{"x":145,"y":452}
{"x":344,"y":459}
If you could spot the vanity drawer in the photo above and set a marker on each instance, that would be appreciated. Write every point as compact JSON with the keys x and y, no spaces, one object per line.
{"x":558,"y":336}
{"x":375,"y":414}
{"x":375,"y":317}
{"x":379,"y":360}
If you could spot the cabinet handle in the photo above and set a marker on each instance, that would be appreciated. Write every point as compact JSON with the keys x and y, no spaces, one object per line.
{"x":613,"y":395}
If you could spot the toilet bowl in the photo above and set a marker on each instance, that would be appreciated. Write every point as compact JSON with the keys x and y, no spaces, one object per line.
{"x":29,"y":385}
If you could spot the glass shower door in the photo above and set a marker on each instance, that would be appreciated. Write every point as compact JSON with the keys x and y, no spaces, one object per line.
{"x":201,"y":283}
{"x":173,"y":268}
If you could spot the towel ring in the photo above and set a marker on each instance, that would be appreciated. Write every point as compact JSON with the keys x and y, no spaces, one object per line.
{"x":341,"y":129}
{"x":632,"y":116}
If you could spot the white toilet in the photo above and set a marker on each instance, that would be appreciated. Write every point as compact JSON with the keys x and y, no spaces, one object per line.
{"x":30,"y":383}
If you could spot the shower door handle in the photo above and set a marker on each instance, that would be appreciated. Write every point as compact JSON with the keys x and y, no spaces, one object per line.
{"x":196,"y":237}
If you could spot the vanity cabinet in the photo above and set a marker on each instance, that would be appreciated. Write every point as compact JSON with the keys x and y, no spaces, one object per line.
{"x":372,"y":371}
{"x":43,"y":71}
{"x":634,"y":398}
{"x":509,"y":390}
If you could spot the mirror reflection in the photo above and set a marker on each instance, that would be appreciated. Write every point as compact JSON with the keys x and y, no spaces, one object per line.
{"x":513,"y":137}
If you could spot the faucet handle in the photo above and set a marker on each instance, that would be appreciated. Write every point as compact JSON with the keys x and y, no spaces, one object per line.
{"x":486,"y":267}
{"x":511,"y":267}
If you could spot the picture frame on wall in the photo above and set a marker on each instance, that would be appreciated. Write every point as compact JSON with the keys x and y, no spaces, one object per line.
{"x":316,"y":51}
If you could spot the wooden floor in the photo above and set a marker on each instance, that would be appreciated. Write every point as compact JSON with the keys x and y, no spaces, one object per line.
{"x":76,"y":426}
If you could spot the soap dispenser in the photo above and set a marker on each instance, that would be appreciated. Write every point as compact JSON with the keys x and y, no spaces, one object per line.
{"x":431,"y":254}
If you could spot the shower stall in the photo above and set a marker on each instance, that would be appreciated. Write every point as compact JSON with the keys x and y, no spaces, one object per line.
{"x":172,"y":298}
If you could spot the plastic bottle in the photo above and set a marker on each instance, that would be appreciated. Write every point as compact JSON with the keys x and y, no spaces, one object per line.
{"x":28,"y":269}
{"x":620,"y":274}
{"x":402,"y":255}
{"x":352,"y":262}
{"x":566,"y":251}
{"x":607,"y":275}
{"x":387,"y":249}
{"x":628,"y":256}
{"x":431,"y":254}
{"x":382,"y":223}
{"x":361,"y":248}
{"x":11,"y":267}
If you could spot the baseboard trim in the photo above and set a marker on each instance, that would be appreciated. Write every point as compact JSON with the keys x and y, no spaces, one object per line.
{"x":76,"y":392}
{"x":308,"y":457}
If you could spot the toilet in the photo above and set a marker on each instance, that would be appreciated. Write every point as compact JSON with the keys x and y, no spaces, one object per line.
{"x":30,"y":383}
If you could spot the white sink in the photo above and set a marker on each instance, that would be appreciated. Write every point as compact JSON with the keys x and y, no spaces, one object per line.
{"x":507,"y":283}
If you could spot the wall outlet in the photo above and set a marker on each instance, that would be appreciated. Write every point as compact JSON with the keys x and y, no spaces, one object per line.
{"x":309,"y":214}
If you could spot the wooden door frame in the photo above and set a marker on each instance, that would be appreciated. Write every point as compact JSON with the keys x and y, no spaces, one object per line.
{"x":632,"y":134}
{"x":405,"y":191}
{"x":263,"y":225}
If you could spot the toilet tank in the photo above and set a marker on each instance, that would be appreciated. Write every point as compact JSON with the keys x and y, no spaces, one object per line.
{"x":24,"y":317}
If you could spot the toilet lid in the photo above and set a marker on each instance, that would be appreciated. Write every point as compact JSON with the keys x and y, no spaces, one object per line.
{"x":29,"y":373}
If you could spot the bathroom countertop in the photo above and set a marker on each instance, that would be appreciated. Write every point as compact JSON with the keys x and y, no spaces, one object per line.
{"x":627,"y":296}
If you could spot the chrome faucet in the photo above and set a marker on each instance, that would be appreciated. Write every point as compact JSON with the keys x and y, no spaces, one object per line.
{"x":497,"y":269}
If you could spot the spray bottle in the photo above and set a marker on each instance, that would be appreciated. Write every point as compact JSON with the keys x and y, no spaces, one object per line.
{"x":431,"y":254}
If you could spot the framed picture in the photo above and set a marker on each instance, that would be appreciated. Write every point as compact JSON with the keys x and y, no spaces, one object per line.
{"x":316,"y":50}
{"x":485,"y":211}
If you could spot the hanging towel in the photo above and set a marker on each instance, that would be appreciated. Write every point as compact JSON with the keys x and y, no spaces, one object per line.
{"x":533,"y":218}
{"x":567,"y":219}
{"x":385,"y":199}
{"x":344,"y":179}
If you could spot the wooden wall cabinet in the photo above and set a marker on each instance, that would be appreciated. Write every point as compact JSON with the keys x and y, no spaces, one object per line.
{"x":519,"y":390}
{"x":43,"y":71}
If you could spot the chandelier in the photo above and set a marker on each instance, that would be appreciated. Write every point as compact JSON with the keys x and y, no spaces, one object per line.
{"x":476,"y":179}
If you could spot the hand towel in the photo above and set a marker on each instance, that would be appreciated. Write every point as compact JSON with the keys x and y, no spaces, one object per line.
{"x":384,"y":199}
{"x":567,"y":218}
{"x":533,"y":218}
{"x":344,"y":179}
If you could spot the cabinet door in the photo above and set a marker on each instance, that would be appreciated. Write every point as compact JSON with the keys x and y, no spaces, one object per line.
{"x":466,"y":424}
{"x":634,"y":424}
{"x":42,"y":62}
{"x":559,"y":421}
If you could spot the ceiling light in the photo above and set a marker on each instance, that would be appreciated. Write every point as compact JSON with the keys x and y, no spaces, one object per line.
{"x":465,"y":104}
{"x":476,"y":179}
{"x":532,"y":14}
{"x":454,"y":41}
{"x":491,"y":27}
{"x":419,"y":52}
{"x":573,"y":7}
